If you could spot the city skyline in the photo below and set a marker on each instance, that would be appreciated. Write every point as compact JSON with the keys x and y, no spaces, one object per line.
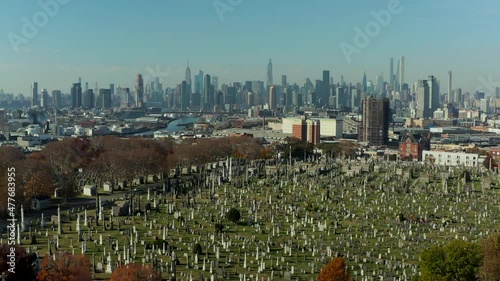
{"x":235,"y":47}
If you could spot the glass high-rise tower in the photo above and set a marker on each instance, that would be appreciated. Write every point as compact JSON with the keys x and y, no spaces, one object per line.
{"x":139,"y":91}
{"x":34,"y":94}
{"x":269,"y":77}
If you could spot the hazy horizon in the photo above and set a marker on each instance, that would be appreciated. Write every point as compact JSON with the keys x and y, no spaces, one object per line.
{"x":111,"y":41}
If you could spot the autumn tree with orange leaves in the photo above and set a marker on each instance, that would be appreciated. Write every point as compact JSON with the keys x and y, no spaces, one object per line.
{"x":65,"y":158}
{"x":201,"y":151}
{"x":34,"y":177}
{"x":336,"y":270}
{"x":65,"y":267}
{"x":135,"y":272}
{"x":9,"y":157}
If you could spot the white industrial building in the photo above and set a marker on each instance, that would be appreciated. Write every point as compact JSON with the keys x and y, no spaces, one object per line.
{"x":330,"y":127}
{"x":289,"y":122}
{"x":451,"y":158}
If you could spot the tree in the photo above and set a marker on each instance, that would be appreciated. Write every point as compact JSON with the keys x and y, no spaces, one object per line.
{"x":135,"y":272}
{"x":233,"y":215}
{"x":459,"y":260}
{"x":65,"y":267}
{"x":36,"y":169}
{"x":24,"y":263}
{"x":8,"y":155}
{"x":335,"y":270}
{"x":489,"y":162}
{"x":65,"y":158}
{"x":490,"y":249}
{"x":433,"y":264}
{"x":245,"y":147}
{"x":219,"y":227}
{"x":266,"y":152}
{"x":343,"y":148}
{"x":296,"y":148}
{"x":197,"y":249}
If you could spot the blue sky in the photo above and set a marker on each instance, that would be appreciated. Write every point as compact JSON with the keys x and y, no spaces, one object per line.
{"x":110,"y":41}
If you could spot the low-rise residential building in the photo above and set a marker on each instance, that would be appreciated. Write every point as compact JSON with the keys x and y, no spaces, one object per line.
{"x":494,"y":152}
{"x":412,"y":146}
{"x":418,"y":123}
{"x":451,"y":158}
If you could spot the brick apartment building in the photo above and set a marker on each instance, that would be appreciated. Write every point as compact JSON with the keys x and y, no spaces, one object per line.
{"x":412,"y":146}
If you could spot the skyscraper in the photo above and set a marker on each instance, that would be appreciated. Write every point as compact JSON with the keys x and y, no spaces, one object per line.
{"x":423,"y":99}
{"x":434,"y":91}
{"x":105,"y":96}
{"x":365,"y":83}
{"x":187,"y":77}
{"x":45,"y":99}
{"x":272,"y":97}
{"x":207,"y":96}
{"x":374,"y":128}
{"x":458,"y":97}
{"x":395,"y":87}
{"x":269,"y":77}
{"x":342,"y":96}
{"x":56,"y":99}
{"x":325,"y":85}
{"x":198,"y":83}
{"x":259,"y":90}
{"x":401,"y":73}
{"x":139,"y":91}
{"x":427,"y":97}
{"x":185,"y":94}
{"x":34,"y":94}
{"x":215,"y":83}
{"x":391,"y":72}
{"x":355,"y":93}
{"x":76,"y":95}
{"x":88,"y":99}
{"x":250,"y":99}
{"x":484,"y":105}
{"x":124,"y":94}
{"x":297,"y":99}
{"x":232,"y":93}
{"x":157,"y":85}
{"x":450,"y":93}
{"x":380,"y":84}
{"x":283,"y":81}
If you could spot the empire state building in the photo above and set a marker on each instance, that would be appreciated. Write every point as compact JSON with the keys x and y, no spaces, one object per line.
{"x":187,"y":77}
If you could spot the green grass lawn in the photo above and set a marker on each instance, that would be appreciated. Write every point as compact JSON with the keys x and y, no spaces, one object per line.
{"x":353,"y":236}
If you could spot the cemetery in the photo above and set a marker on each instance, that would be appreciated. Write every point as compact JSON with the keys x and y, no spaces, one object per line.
{"x":278,"y":220}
